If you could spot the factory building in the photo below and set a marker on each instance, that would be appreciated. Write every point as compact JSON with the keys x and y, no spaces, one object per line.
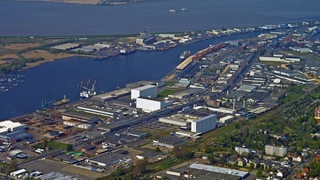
{"x":173,"y":121}
{"x":204,"y":172}
{"x":12,"y":131}
{"x":148,"y":91}
{"x":96,"y":111}
{"x":168,"y":142}
{"x":78,"y":116}
{"x":279,"y":59}
{"x":108,"y":159}
{"x":112,"y":95}
{"x":79,"y":120}
{"x":182,"y":120}
{"x":150,"y":105}
{"x":146,"y":39}
{"x":204,"y":124}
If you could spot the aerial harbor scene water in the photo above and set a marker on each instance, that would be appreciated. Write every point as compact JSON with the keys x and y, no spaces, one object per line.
{"x":159,"y":89}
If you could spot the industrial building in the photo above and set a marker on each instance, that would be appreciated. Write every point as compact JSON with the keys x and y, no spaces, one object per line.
{"x":246,"y":88}
{"x":226,"y":119}
{"x":204,"y":172}
{"x":301,"y":50}
{"x":18,"y":172}
{"x":148,"y":91}
{"x":96,"y":111}
{"x":77,"y":124}
{"x":9,"y":126}
{"x":12,"y":131}
{"x":178,"y":119}
{"x":78,"y":116}
{"x":150,"y":105}
{"x":108,"y":159}
{"x":166,"y":35}
{"x":112,"y":95}
{"x":146,"y":39}
{"x":279,"y":59}
{"x":276,"y":150}
{"x":79,"y":120}
{"x":204,"y":124}
{"x":169,"y":142}
{"x":139,"y":84}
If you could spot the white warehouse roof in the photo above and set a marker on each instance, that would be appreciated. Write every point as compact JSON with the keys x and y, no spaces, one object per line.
{"x":144,"y":87}
{"x":5,"y":125}
{"x":219,"y":170}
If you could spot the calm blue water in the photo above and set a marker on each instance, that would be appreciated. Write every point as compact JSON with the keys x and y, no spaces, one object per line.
{"x":38,"y":18}
{"x":54,"y":79}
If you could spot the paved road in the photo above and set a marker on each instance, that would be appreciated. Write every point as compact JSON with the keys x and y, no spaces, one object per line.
{"x":44,"y":155}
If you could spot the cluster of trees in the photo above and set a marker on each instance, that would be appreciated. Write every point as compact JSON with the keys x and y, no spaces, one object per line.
{"x":17,"y":64}
{"x":314,"y":169}
{"x":182,"y":153}
{"x":12,"y":66}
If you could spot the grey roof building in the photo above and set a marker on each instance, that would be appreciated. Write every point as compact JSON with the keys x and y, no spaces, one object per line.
{"x":108,"y":159}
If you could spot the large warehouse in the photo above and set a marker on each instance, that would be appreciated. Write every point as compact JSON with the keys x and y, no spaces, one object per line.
{"x":12,"y":131}
{"x":204,"y":124}
{"x":150,"y":105}
{"x":148,"y":91}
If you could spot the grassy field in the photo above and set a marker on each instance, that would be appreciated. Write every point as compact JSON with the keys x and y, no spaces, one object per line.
{"x":167,"y":92}
{"x":164,"y":164}
{"x":54,"y":145}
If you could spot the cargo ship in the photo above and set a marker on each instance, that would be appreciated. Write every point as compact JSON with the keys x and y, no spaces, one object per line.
{"x":185,"y":55}
{"x":65,"y":100}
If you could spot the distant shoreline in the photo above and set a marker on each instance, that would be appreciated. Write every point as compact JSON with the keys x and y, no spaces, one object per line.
{"x":58,"y":57}
{"x":92,"y":2}
{"x":88,"y":2}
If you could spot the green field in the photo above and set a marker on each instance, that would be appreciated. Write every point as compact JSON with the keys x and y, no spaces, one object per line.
{"x":164,"y":164}
{"x":54,"y":145}
{"x":167,"y":92}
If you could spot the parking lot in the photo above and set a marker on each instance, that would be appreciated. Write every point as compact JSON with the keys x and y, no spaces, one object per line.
{"x":47,"y":166}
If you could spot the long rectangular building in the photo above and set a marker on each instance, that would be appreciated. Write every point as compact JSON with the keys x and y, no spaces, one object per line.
{"x":150,"y":105}
{"x":204,"y":172}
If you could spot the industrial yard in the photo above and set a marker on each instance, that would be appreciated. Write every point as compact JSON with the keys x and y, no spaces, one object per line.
{"x":173,"y":127}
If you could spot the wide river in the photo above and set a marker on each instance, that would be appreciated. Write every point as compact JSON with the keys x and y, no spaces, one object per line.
{"x":42,"y":18}
{"x":52,"y":80}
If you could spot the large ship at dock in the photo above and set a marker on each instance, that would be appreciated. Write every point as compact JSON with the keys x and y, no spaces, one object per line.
{"x":65,"y":100}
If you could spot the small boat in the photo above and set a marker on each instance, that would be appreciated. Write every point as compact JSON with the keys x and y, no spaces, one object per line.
{"x":185,"y":55}
{"x":172,"y":11}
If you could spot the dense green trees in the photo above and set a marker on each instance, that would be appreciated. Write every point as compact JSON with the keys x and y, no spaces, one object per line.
{"x":182,"y":153}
